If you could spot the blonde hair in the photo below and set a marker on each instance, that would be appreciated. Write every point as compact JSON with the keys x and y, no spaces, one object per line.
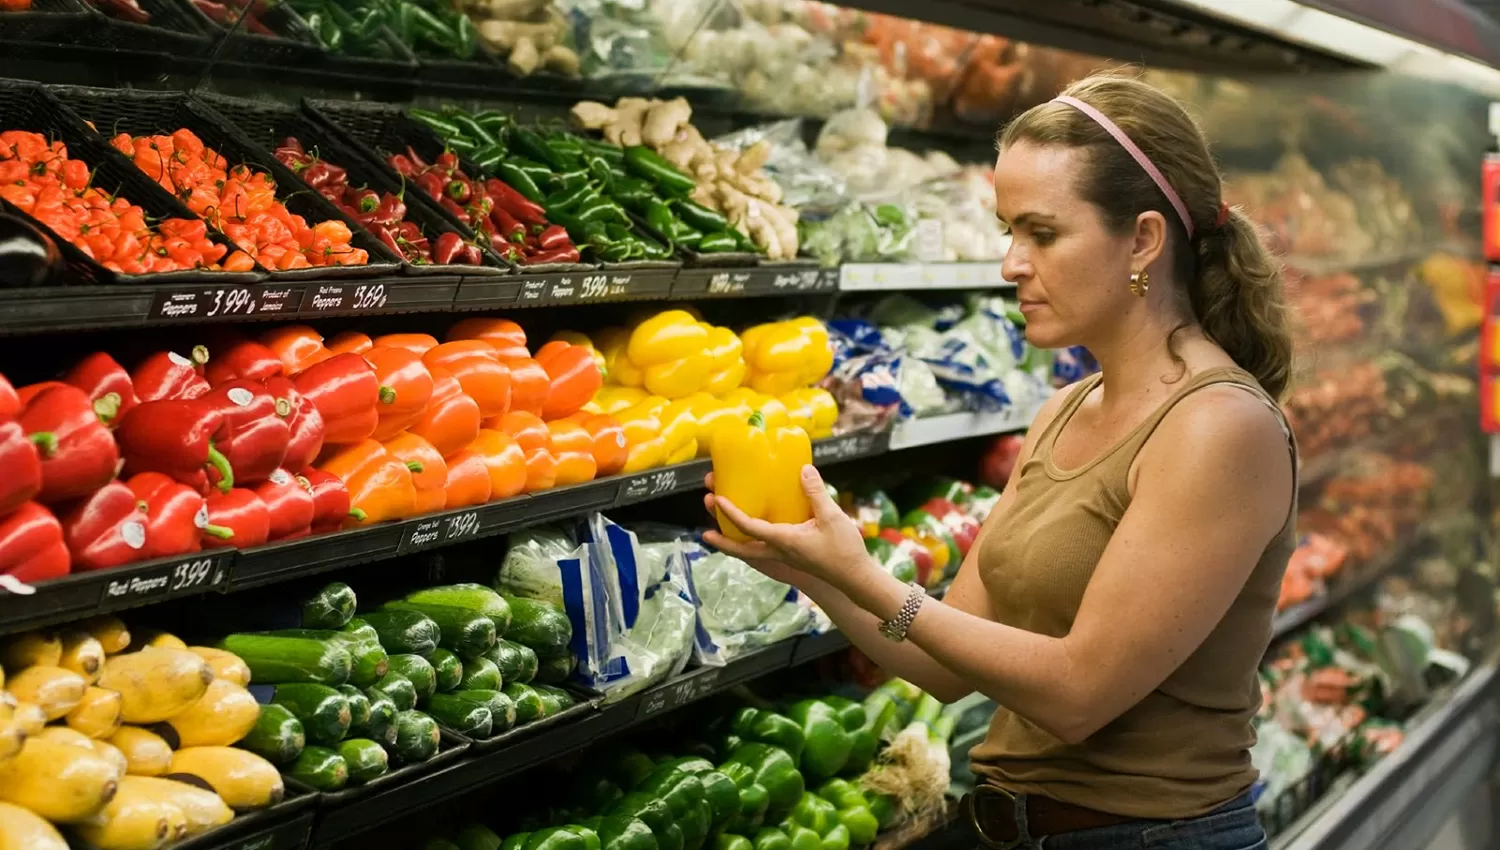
{"x":1233,"y":285}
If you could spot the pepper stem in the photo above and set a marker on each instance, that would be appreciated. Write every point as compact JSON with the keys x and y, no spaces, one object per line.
{"x":387,"y":395}
{"x":218,"y":531}
{"x":357,"y":514}
{"x":757,"y":420}
{"x":107,"y":407}
{"x":218,"y":461}
{"x":199,"y":354}
{"x":45,"y":442}
{"x":414,"y":465}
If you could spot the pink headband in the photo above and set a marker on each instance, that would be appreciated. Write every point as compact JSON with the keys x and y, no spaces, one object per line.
{"x":1135,"y":153}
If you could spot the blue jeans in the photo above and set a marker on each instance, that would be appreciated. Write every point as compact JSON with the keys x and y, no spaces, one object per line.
{"x":1232,"y":826}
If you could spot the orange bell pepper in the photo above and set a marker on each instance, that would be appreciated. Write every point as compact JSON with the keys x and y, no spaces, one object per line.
{"x":573,"y":447}
{"x":573,"y":375}
{"x":535,"y":440}
{"x":429,"y":474}
{"x":350,"y":342}
{"x":506,"y":337}
{"x":451,"y":420}
{"x":379,"y":485}
{"x":609,"y":448}
{"x":298,"y":347}
{"x":528,"y":384}
{"x":478,"y":370}
{"x":503,"y":461}
{"x":468,"y":480}
{"x":420,"y":343}
{"x":405,"y":388}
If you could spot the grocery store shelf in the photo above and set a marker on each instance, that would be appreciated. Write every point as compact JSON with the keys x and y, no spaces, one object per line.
{"x":1349,"y":585}
{"x":876,"y":277}
{"x":909,"y":433}
{"x":1403,"y":801}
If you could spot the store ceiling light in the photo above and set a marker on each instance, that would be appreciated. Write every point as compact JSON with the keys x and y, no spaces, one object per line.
{"x":1294,"y":22}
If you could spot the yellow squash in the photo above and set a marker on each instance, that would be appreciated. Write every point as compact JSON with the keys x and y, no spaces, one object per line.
{"x":55,"y":690}
{"x":110,"y":753}
{"x":156,"y":639}
{"x":110,"y":631}
{"x":97,"y":714}
{"x":29,"y":649}
{"x":136,"y":819}
{"x":83,"y":654}
{"x":64,"y":735}
{"x":146,"y":753}
{"x":243,"y":779}
{"x":224,"y":714}
{"x":225,"y":665}
{"x":23,"y":829}
{"x":203,"y":809}
{"x":61,"y":782}
{"x":156,"y":683}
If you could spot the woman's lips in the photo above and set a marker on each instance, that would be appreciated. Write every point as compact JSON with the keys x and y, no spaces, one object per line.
{"x":1029,"y":306}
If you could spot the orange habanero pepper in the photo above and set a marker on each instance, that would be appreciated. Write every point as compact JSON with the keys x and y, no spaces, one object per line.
{"x":452,"y":419}
{"x":405,"y":388}
{"x":429,"y":474}
{"x":378,"y":483}
{"x":298,"y":346}
{"x":478,"y":370}
{"x":503,"y":461}
{"x":573,"y":447}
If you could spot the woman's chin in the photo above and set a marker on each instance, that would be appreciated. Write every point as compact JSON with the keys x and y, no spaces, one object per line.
{"x":1042,"y":334}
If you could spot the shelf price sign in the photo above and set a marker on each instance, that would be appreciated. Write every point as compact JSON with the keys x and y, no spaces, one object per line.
{"x":218,"y":302}
{"x":200,"y":573}
{"x":344,"y":297}
{"x":436,"y":531}
{"x":673,"y":694}
{"x":649,"y":485}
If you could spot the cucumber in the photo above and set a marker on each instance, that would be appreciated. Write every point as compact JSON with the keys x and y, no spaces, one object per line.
{"x":540,"y":625}
{"x":287,"y":660}
{"x":365,"y":758}
{"x":329,"y":608}
{"x":481,"y":674}
{"x":556,"y":699}
{"x":464,"y":716}
{"x":382,"y":725}
{"x":404,"y":632}
{"x":324,"y":712}
{"x":359,"y":706}
{"x":416,"y":669}
{"x":359,"y":628}
{"x":517,"y":663}
{"x":399,"y":690}
{"x":474,"y":597}
{"x":476,"y":837}
{"x":368,"y":659}
{"x":528,"y":702}
{"x":417,"y":737}
{"x":277,"y":735}
{"x":554,"y":671}
{"x":450,"y":671}
{"x":320,"y":768}
{"x":459,"y":629}
{"x":502,"y":710}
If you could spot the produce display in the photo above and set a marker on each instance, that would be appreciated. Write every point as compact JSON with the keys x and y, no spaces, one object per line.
{"x":928,"y":542}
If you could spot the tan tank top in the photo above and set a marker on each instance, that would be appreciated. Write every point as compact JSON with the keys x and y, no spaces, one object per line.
{"x":1185,"y":748}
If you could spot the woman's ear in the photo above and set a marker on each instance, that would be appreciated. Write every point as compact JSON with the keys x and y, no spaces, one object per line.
{"x":1150,"y":239}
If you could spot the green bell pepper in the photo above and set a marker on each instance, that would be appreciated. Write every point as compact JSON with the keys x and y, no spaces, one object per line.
{"x":477,"y":836}
{"x":681,"y":791}
{"x":653,"y":812}
{"x":770,"y":767}
{"x":836,"y":838}
{"x":722,"y":794}
{"x":771,"y":838}
{"x":815,"y":813}
{"x":622,"y":832}
{"x":644,"y":162}
{"x":804,"y":838}
{"x":885,"y":808}
{"x":570,"y":837}
{"x":826,"y":743}
{"x":593,"y":792}
{"x":853,"y":810}
{"x":515,"y":841}
{"x":850,"y":713}
{"x":768,"y":727}
{"x":696,"y":825}
{"x":879,"y":715}
{"x":725,"y":841}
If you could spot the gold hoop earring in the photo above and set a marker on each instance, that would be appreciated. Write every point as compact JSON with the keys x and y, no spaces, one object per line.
{"x":1139,"y":283}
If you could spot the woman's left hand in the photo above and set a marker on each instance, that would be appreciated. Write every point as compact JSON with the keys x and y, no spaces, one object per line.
{"x":827,"y":547}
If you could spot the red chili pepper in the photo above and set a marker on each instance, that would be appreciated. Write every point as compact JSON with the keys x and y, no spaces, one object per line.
{"x":558,"y":255}
{"x":507,"y":226}
{"x":418,"y":161}
{"x":553,"y":237}
{"x":179,"y":437}
{"x":447,"y":160}
{"x":10,"y":403}
{"x":346,"y":392}
{"x":293,"y":144}
{"x":106,"y":383}
{"x":506,"y":249}
{"x":470,"y":256}
{"x":330,"y":496}
{"x":515,"y":203}
{"x":363,"y":200}
{"x":447,"y":247}
{"x":258,"y":429}
{"x":391,"y":210}
{"x":86,"y":455}
{"x":242,"y":358}
{"x":305,"y":440}
{"x":243,"y":514}
{"x":458,"y":212}
{"x":384,"y":234}
{"x":31,"y":545}
{"x":289,"y":505}
{"x":403,"y":164}
{"x":176,"y":515}
{"x":168,"y":375}
{"x":21,"y":459}
{"x":458,"y":190}
{"x":107,"y":529}
{"x":431,"y":184}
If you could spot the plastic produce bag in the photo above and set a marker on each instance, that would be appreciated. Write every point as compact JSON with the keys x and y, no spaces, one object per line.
{"x":552,"y":565}
{"x":806,"y":182}
{"x":1282,"y":759}
{"x":865,"y":375}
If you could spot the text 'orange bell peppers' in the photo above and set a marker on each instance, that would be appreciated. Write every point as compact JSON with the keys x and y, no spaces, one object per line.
{"x":429,"y":473}
{"x":503,"y":460}
{"x":573,"y":376}
{"x":405,"y":388}
{"x":379,"y":484}
{"x":452,"y":419}
{"x":478,"y":370}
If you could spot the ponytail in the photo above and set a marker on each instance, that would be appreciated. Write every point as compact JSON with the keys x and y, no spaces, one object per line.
{"x":1240,"y":303}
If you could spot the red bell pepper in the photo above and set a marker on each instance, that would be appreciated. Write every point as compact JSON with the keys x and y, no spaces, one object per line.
{"x":242,"y":358}
{"x":21,"y":459}
{"x":289,"y":505}
{"x":30,"y":391}
{"x":243,"y":513}
{"x":31,"y":545}
{"x":179,"y":437}
{"x":574,"y":378}
{"x":107,"y":385}
{"x":10,"y":403}
{"x":86,"y":455}
{"x":305,"y":440}
{"x":346,"y":392}
{"x":107,"y":529}
{"x":331,"y":504}
{"x":176,"y":515}
{"x":169,"y":375}
{"x":258,"y":429}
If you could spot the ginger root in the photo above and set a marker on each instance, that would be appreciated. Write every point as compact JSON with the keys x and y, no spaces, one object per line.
{"x":591,"y":115}
{"x":663,"y":121}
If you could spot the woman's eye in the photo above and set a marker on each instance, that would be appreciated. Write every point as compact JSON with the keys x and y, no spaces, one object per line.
{"x":1043,"y":237}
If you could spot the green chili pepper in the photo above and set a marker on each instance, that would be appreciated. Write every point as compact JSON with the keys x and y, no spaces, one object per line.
{"x":619,"y":252}
{"x":612,"y":154}
{"x":489,"y":156}
{"x":467,"y":36}
{"x":435,"y":122}
{"x":494,"y":121}
{"x":569,"y":179}
{"x":601,"y":171}
{"x":538,"y":173}
{"x":567,"y":150}
{"x":462,"y":145}
{"x":528,"y":144}
{"x":744,"y":242}
{"x":466,"y":125}
{"x":686,"y":236}
{"x":569,"y":199}
{"x":425,"y":26}
{"x":653,"y":250}
{"x":645,"y":162}
{"x":603,"y":210}
{"x":519,"y":180}
{"x":659,"y":217}
{"x":717,"y":243}
{"x":633,"y":193}
{"x":699,"y":216}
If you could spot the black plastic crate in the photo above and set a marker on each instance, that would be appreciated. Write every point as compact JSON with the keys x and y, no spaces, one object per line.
{"x":115,"y":111}
{"x":26,"y":107}
{"x":277,"y":826}
{"x":378,"y":130}
{"x":1301,"y":796}
{"x":266,"y":124}
{"x":171,"y":30}
{"x":291,"y":47}
{"x":47,"y":21}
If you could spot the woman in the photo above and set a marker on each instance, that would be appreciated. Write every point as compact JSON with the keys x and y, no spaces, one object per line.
{"x":1120,"y":596}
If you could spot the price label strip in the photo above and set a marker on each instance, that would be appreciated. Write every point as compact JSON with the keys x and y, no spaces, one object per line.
{"x":217,"y":302}
{"x":201,"y":573}
{"x":660,"y":482}
{"x":437,"y":531}
{"x":690,"y":689}
{"x":344,"y":297}
{"x":848,"y":447}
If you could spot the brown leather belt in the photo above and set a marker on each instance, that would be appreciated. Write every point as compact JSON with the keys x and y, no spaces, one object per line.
{"x":993,"y":813}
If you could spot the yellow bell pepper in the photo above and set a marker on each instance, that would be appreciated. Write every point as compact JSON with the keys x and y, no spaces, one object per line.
{"x":671,"y":351}
{"x":616,"y":399}
{"x":760,"y":470}
{"x":728,"y":363}
{"x":783,"y":356}
{"x":679,"y":428}
{"x":711,"y":413}
{"x":641,"y":421}
{"x":770,"y":408}
{"x":814,"y":409}
{"x":643,"y":456}
{"x":618,"y":370}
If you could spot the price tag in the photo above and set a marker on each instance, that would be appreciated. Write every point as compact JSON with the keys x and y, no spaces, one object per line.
{"x":344,"y":297}
{"x":290,"y":835}
{"x":147,"y":585}
{"x":196,"y":575}
{"x":648,"y":485}
{"x":728,"y":283}
{"x":216,"y":302}
{"x":670,"y":696}
{"x":801,"y":280}
{"x":844,"y":448}
{"x":436,"y":531}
